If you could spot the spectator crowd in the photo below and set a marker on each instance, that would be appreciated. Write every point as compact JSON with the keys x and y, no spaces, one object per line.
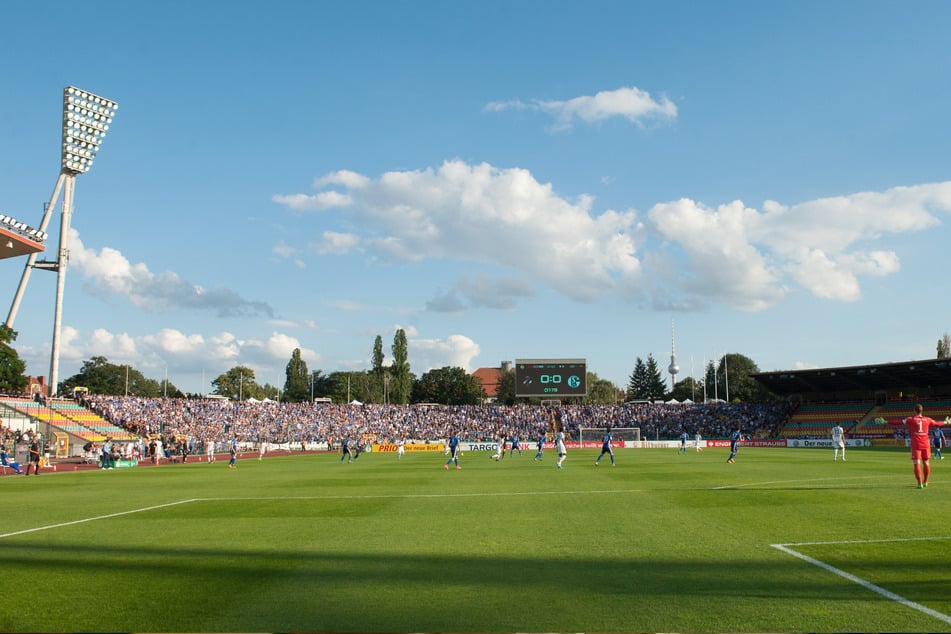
{"x":201,"y":421}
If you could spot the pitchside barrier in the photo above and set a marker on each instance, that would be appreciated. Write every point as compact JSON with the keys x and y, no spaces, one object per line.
{"x":815,"y":442}
{"x":586,"y":442}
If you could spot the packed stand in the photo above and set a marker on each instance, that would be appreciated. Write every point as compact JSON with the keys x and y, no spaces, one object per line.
{"x":201,"y":421}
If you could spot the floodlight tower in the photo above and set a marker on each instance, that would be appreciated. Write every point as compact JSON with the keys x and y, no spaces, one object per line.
{"x":86,"y":119}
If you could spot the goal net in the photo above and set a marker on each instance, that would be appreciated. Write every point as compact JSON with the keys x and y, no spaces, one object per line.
{"x":619,"y":434}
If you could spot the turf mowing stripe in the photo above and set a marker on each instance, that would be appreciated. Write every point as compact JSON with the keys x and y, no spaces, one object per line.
{"x":411,"y":496}
{"x":93,"y":519}
{"x":867,"y":541}
{"x":862,"y":582}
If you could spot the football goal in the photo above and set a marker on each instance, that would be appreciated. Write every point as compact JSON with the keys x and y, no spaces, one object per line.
{"x":619,"y":434}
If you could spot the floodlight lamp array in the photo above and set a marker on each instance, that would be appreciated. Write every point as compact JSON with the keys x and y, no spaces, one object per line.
{"x":23,"y":228}
{"x":86,"y":118}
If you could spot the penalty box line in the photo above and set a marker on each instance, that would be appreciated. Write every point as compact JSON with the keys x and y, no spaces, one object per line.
{"x":868,"y":585}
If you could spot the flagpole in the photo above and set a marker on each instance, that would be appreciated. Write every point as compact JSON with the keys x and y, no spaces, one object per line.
{"x":726,"y":379}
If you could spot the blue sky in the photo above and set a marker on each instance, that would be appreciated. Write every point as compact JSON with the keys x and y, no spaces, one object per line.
{"x":502,"y":180}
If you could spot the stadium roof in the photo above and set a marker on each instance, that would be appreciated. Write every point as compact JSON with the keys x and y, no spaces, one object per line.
{"x":926,"y":377}
{"x":12,"y":245}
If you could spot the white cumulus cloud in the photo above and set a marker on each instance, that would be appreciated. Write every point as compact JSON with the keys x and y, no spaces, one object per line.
{"x":515,"y":233}
{"x":631,"y":103}
{"x":485,"y":214}
{"x":108,"y":272}
{"x":453,"y":351}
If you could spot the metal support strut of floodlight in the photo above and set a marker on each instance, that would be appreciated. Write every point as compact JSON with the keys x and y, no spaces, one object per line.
{"x":86,"y":119}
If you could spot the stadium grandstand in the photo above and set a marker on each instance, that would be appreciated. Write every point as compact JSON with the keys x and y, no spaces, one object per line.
{"x":18,"y":238}
{"x":63,"y":416}
{"x":863,"y":399}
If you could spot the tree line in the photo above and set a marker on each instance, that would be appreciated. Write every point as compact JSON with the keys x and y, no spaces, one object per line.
{"x":728,"y":378}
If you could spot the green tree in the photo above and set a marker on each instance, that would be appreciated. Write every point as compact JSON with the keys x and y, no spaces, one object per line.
{"x":646,"y":381}
{"x":296,"y":384}
{"x":13,"y":377}
{"x":656,"y":386}
{"x":710,"y":381}
{"x":167,"y":389}
{"x":735,"y":383}
{"x":344,"y":387}
{"x":238,"y":384}
{"x":637,"y":382}
{"x":506,"y":390}
{"x":688,"y":388}
{"x":317,"y":383}
{"x":448,"y":386}
{"x":944,"y":346}
{"x":378,"y":374}
{"x":102,"y":377}
{"x":401,"y":385}
{"x":600,"y":391}
{"x":272,"y":392}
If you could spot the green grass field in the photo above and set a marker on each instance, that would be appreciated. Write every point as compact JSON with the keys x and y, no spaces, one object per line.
{"x":661,"y":542}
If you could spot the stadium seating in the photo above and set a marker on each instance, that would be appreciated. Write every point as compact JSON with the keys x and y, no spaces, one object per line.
{"x":818,"y":419}
{"x":92,"y":421}
{"x":69,"y":417}
{"x":870,"y":428}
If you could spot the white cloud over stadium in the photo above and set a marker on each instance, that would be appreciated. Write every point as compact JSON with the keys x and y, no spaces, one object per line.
{"x":681,"y":253}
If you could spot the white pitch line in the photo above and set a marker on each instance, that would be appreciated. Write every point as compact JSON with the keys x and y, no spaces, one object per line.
{"x":757,"y":484}
{"x":310,"y":497}
{"x":93,"y":519}
{"x":862,"y":582}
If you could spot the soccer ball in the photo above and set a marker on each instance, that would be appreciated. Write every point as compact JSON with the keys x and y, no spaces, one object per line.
{"x":495,"y":457}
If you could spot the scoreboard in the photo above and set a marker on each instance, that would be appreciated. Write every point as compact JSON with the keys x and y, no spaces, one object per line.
{"x":551,"y":377}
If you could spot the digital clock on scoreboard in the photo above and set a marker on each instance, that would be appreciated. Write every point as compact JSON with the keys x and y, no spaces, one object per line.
{"x":550,"y":377}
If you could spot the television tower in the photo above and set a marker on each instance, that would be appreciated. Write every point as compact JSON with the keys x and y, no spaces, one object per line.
{"x":673,"y":368}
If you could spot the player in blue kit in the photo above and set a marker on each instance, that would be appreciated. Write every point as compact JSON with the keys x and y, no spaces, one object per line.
{"x":683,"y":442}
{"x":735,"y":439}
{"x":12,"y":464}
{"x":542,"y":439}
{"x":606,"y":447}
{"x":937,"y":435}
{"x":345,"y":450}
{"x":453,"y":451}
{"x":515,"y":446}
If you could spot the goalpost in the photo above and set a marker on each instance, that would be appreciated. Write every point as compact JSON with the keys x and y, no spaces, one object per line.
{"x":619,"y":434}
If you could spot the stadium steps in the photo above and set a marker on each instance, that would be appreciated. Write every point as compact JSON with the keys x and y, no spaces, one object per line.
{"x":68,"y":417}
{"x":80,"y":415}
{"x":818,"y":419}
{"x":870,"y":428}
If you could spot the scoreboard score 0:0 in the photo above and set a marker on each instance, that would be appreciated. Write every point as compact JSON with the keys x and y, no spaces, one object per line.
{"x":551,"y":377}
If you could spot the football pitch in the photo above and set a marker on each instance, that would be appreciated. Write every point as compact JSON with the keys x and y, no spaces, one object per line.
{"x":782,"y":540}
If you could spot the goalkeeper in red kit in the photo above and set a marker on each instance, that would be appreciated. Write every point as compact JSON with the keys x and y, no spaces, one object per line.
{"x":919,"y":430}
